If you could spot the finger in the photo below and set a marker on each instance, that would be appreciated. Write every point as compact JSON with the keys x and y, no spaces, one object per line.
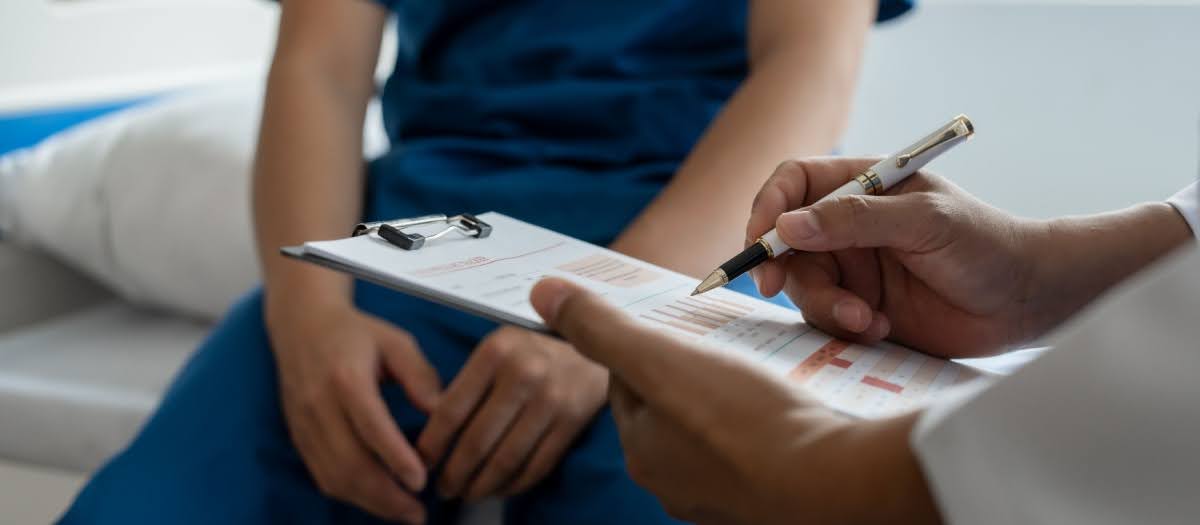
{"x":770,"y":276}
{"x":655,"y":366}
{"x":908,"y":222}
{"x":835,"y":310}
{"x":379,"y":495}
{"x":625,"y":407}
{"x":514,"y":450}
{"x":349,"y":472}
{"x":480,"y":437}
{"x":604,"y":334}
{"x":372,"y":421}
{"x":549,"y":450}
{"x":404,"y":361}
{"x":457,"y":404}
{"x":797,"y":183}
{"x":860,"y":273}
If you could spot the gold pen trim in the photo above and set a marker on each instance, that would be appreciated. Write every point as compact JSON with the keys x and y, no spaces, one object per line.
{"x":767,"y":246}
{"x":961,"y":126}
{"x":869,"y":180}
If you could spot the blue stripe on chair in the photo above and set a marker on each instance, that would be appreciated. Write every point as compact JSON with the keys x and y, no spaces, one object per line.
{"x":24,"y":129}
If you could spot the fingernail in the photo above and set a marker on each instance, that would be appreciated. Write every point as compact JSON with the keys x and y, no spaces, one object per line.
{"x":850,"y":316}
{"x":416,"y":480}
{"x":554,"y":293}
{"x":798,"y":225}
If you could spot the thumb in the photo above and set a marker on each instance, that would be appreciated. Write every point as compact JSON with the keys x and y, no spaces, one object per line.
{"x":605,"y":334}
{"x":906,"y":222}
{"x":664,"y":372}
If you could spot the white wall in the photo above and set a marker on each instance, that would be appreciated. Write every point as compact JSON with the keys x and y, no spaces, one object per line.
{"x":1077,"y":108}
{"x":54,"y":51}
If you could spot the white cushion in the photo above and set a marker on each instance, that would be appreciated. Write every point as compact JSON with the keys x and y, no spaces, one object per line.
{"x":74,"y":390}
{"x":152,"y":201}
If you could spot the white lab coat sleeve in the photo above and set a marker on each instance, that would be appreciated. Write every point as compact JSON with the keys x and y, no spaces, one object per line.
{"x":1188,"y":204}
{"x":1104,"y":428}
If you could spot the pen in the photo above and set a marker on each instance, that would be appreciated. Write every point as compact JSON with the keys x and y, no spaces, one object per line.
{"x":873,"y":181}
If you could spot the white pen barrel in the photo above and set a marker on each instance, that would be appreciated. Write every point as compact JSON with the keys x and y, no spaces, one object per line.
{"x":850,"y":188}
{"x":778,"y":247}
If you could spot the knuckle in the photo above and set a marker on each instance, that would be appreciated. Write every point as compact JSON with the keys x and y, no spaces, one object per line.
{"x":940,"y":209}
{"x":529,"y":371}
{"x":498,"y":348}
{"x":857,"y":209}
{"x":789,"y":166}
{"x":553,"y":398}
{"x":343,"y":379}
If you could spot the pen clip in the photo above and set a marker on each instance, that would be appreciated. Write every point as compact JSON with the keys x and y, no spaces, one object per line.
{"x":960,"y":127}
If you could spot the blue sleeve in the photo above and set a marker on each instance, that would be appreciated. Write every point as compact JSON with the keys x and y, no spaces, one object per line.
{"x":889,"y":9}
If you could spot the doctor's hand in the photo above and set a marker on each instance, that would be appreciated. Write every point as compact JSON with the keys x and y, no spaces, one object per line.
{"x":331,"y":362}
{"x":719,"y":441}
{"x":510,"y":414}
{"x":932,"y":267}
{"x":927,"y":264}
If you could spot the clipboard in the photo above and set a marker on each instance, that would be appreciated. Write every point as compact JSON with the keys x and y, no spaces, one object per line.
{"x":486,"y":264}
{"x":400,"y":233}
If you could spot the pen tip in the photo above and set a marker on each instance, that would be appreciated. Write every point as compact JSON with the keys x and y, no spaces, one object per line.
{"x":716,"y":279}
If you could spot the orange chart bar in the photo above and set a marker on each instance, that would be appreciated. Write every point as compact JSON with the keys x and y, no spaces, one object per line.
{"x":879,"y":383}
{"x":677,"y":324}
{"x":813,"y":363}
{"x":697,"y":316}
{"x":610,"y":270}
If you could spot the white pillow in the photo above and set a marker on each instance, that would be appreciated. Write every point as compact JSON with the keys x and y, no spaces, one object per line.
{"x":153,"y":201}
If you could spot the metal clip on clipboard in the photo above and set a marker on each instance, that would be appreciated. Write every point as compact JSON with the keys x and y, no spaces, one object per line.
{"x":393,"y":231}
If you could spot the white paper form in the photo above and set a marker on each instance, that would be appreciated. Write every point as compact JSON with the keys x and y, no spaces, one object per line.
{"x":493,"y":277}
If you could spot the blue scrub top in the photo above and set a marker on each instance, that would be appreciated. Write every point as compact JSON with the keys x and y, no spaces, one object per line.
{"x":568,"y":114}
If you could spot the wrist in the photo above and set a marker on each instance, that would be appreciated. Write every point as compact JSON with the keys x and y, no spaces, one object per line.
{"x":297,"y":302}
{"x":1075,"y":259}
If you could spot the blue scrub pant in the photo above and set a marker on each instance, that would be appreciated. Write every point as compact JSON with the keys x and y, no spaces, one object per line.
{"x":217,"y":449}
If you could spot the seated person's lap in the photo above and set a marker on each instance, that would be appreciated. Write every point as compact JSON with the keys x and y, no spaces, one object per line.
{"x":217,"y":449}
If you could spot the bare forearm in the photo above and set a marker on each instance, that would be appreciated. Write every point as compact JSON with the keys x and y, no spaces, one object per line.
{"x":308,"y":178}
{"x":308,"y":173}
{"x":793,"y":103}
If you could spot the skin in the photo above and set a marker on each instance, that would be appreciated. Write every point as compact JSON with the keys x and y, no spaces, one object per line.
{"x":509,"y":415}
{"x":721,"y":441}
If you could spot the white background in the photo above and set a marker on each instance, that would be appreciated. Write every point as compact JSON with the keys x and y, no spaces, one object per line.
{"x":1080,"y":106}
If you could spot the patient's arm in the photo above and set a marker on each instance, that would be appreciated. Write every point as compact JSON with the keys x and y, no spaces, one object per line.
{"x":308,"y":184}
{"x":804,"y":60}
{"x":309,"y":170}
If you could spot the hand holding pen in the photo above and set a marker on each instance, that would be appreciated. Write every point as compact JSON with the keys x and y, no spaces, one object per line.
{"x":926,"y":265}
{"x":871,"y":181}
